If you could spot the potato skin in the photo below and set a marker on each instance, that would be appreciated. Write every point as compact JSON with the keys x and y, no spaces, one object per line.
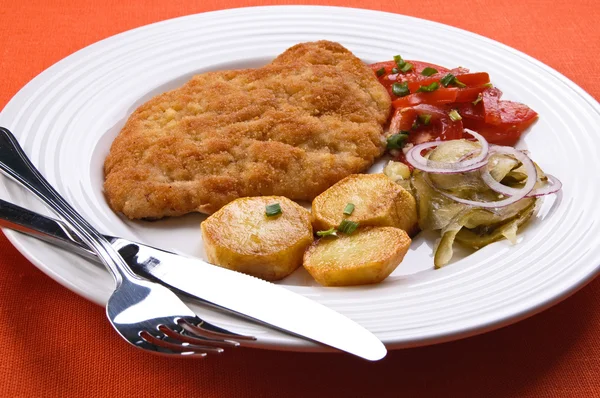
{"x":241,"y":237}
{"x":367,"y":256}
{"x":378,"y":201}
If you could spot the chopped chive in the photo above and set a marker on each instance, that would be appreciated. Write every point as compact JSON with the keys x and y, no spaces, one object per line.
{"x":429,"y":88}
{"x":330,"y":232}
{"x":347,"y":226}
{"x":272,"y":210}
{"x":429,"y":71}
{"x":425,"y":119}
{"x":458,"y":83}
{"x":451,"y":79}
{"x":395,"y":70}
{"x":406,"y":67}
{"x":401,"y":65}
{"x":400,"y":89}
{"x":447,"y":80}
{"x":380,"y":72}
{"x":478,"y":100}
{"x":454,"y":115}
{"x":399,"y":61}
{"x":349,"y":209}
{"x":396,"y":141}
{"x":489,"y":85}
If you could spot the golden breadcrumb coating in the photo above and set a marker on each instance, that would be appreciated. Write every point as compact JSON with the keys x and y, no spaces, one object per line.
{"x":292,"y":128}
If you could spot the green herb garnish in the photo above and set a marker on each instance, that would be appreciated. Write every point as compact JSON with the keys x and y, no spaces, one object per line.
{"x":478,"y":100}
{"x":458,"y":83}
{"x":425,"y":119}
{"x":489,"y":85}
{"x":349,"y":209}
{"x":395,"y":70}
{"x":450,"y":79}
{"x":400,"y":89}
{"x":330,"y":232}
{"x":454,"y":115}
{"x":380,"y":72}
{"x":396,"y":141}
{"x":401,"y":65}
{"x":429,"y":71}
{"x":272,"y":210}
{"x":447,"y":80}
{"x":348,"y":227}
{"x":399,"y":61}
{"x":429,"y":88}
{"x":406,"y":67}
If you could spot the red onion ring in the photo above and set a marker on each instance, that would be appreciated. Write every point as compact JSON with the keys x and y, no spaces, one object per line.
{"x":467,"y":156}
{"x":465,"y":163}
{"x":515,"y":194}
{"x":554,"y":185}
{"x":414,"y":157}
{"x":499,"y":187}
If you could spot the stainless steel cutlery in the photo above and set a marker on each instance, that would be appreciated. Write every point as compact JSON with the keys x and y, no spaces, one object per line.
{"x":145,"y":309}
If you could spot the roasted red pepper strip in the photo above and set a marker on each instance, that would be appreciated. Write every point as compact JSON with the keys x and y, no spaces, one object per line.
{"x":473,"y":79}
{"x":440,"y":125}
{"x":514,"y":119}
{"x":414,"y":75}
{"x":470,"y":79}
{"x":470,"y":94}
{"x":437,"y":97}
{"x":491,"y":107}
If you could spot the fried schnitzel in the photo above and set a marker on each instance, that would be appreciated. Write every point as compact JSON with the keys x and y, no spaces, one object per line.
{"x":291,"y":128}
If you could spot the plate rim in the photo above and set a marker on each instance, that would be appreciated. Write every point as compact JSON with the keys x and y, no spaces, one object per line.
{"x":17,"y":240}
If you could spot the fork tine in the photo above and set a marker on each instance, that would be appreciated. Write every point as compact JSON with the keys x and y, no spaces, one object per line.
{"x":192,"y":347}
{"x":195,"y":340}
{"x":183,"y":349}
{"x":152,"y":343}
{"x":210,"y":328}
{"x":207,"y":330}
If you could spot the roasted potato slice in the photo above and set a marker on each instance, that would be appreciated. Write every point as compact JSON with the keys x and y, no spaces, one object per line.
{"x":367,"y":256}
{"x":240,"y":236}
{"x":377,"y":200}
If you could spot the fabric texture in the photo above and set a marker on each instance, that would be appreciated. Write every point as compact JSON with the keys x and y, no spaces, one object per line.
{"x":56,"y":344}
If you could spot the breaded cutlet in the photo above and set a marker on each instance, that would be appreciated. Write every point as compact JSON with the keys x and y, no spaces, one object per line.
{"x":291,"y":128}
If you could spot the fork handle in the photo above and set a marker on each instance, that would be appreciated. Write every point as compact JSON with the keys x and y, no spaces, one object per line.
{"x":45,"y":228}
{"x":16,"y":165}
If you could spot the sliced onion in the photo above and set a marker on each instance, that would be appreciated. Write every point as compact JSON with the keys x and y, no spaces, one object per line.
{"x":414,"y":157}
{"x":554,"y":185}
{"x":467,"y":155}
{"x":466,"y":163}
{"x":515,"y":194}
{"x":501,"y":188}
{"x":491,"y":205}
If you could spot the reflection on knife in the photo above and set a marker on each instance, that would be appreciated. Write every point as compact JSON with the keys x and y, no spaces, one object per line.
{"x":244,"y":295}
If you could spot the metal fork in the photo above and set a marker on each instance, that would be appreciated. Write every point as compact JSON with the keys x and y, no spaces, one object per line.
{"x":147,"y":315}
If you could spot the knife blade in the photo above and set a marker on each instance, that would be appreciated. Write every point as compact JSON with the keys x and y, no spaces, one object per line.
{"x":244,"y":295}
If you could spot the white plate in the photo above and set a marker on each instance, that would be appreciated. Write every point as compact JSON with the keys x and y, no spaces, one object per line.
{"x":67,"y":117}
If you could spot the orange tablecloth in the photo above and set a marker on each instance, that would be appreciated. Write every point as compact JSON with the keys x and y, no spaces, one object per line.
{"x":54,"y":343}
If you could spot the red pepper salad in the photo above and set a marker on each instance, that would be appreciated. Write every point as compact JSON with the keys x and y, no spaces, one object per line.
{"x":435,"y":103}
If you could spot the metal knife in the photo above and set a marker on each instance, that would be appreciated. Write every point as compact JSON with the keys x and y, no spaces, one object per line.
{"x":241,"y":294}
